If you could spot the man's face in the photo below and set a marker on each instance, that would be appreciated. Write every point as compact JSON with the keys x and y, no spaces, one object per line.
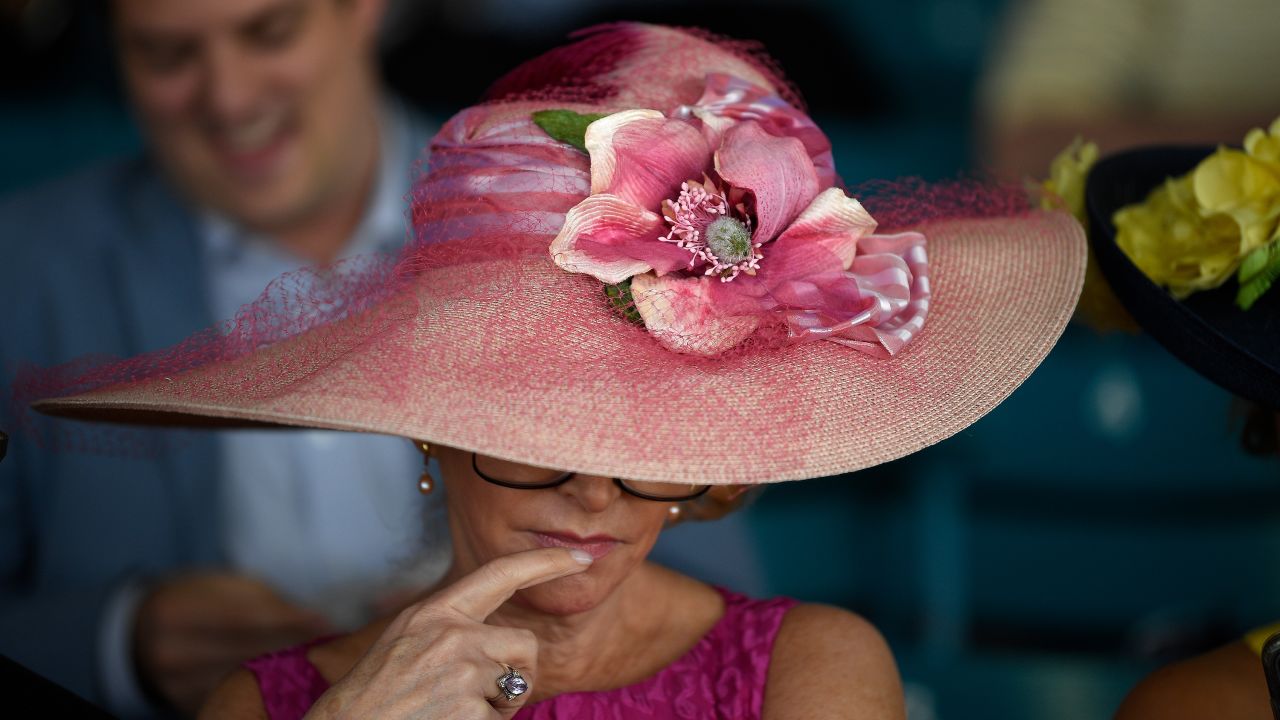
{"x":264,"y":110}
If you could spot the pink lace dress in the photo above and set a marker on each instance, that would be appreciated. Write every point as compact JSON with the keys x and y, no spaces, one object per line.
{"x":723,"y":676}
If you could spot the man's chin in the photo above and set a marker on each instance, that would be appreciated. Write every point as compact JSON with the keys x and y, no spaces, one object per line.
{"x":274,"y":209}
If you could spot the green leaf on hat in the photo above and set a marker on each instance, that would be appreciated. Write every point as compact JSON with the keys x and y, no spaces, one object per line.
{"x":620,"y":298}
{"x":566,"y":126}
{"x":1259,"y":270}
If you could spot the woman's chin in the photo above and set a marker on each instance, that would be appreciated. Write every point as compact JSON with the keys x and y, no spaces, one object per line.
{"x":568,"y":595}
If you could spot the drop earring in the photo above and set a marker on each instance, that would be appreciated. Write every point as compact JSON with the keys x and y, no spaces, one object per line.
{"x":673,"y":514}
{"x":426,"y":484}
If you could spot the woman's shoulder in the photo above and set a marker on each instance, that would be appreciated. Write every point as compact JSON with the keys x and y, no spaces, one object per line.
{"x":812,"y":634}
{"x":825,"y":657}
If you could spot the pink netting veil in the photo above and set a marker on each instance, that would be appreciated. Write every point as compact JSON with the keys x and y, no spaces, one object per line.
{"x":634,"y":258}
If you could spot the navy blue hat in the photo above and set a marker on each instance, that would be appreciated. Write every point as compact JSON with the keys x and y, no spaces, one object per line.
{"x":1237,"y":349}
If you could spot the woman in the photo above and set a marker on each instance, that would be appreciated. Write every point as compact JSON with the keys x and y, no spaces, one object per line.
{"x":1185,"y":290}
{"x":553,"y":581}
{"x":633,"y":263}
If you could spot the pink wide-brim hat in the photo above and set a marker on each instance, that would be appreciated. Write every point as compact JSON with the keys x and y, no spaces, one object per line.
{"x":476,"y":339}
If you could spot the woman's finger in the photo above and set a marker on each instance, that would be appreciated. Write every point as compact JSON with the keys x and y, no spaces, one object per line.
{"x":477,"y":595}
{"x":491,"y":652}
{"x":512,"y":687}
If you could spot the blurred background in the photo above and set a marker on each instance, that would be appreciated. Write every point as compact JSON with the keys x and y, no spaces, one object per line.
{"x":1105,"y":519}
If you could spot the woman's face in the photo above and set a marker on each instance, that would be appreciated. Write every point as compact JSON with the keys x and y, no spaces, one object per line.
{"x":587,"y":512}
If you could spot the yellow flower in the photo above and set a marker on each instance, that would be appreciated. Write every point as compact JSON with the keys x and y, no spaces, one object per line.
{"x":1173,"y":244}
{"x":1192,"y":232}
{"x":1067,"y":173}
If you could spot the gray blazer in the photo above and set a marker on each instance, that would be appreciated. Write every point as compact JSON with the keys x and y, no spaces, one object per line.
{"x":107,"y":261}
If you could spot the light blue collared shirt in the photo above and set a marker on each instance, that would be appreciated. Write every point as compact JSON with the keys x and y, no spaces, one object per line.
{"x":332,"y":520}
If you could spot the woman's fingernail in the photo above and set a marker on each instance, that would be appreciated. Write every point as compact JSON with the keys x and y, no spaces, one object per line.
{"x":581,"y":556}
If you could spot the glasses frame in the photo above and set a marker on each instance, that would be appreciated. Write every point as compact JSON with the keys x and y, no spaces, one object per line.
{"x":565,"y":477}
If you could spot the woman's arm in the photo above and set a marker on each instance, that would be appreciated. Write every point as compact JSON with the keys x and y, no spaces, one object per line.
{"x":237,"y":697}
{"x":830,"y":663}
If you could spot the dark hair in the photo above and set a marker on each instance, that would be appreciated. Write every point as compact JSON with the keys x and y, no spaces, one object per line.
{"x":1258,"y":434}
{"x":720,"y":501}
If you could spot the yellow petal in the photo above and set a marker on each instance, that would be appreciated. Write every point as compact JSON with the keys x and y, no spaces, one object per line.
{"x":1173,"y":244}
{"x":1232,"y":183}
{"x":1067,"y":174}
{"x":1230,"y":180}
{"x":1264,"y":145}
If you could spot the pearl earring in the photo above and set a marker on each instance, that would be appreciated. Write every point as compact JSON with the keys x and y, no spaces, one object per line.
{"x":425,"y":483}
{"x":673,"y":514}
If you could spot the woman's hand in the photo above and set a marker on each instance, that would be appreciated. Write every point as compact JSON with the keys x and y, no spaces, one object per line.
{"x":438,"y":659}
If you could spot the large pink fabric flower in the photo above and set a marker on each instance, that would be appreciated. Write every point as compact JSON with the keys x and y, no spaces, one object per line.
{"x":725,"y":219}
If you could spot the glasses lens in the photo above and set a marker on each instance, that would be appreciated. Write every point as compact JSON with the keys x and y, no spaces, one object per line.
{"x":663,"y":491}
{"x":514,"y":473}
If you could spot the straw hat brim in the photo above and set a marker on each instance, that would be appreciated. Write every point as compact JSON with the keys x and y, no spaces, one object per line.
{"x":475,"y":368}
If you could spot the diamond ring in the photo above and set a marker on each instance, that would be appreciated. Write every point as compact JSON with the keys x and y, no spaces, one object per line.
{"x":512,"y":684}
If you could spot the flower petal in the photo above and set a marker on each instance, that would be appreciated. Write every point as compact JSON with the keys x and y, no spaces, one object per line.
{"x":683,"y":315}
{"x":727,"y":100}
{"x":805,"y":267}
{"x":611,"y":239}
{"x":1174,"y":244}
{"x":777,"y":171}
{"x":1264,"y":145}
{"x":1233,"y":183}
{"x":828,"y":229}
{"x":642,"y":156}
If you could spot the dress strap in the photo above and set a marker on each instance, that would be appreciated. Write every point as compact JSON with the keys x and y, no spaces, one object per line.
{"x":743,"y":641}
{"x":289,"y":683}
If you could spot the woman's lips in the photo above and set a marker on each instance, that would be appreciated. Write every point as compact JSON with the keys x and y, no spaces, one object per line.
{"x":597,"y":546}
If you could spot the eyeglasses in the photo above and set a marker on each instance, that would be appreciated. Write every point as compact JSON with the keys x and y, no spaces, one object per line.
{"x":525,"y":477}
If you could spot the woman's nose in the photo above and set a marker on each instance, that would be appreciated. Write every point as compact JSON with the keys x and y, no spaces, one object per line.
{"x":592,"y":492}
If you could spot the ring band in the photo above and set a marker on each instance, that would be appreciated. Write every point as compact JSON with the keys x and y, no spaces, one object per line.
{"x":512,"y":683}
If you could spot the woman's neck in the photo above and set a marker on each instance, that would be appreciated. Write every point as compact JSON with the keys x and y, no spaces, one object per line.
{"x":605,"y":646}
{"x":649,"y":621}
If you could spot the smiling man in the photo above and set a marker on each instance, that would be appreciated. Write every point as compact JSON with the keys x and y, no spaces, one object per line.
{"x":139,"y":582}
{"x":265,"y":112}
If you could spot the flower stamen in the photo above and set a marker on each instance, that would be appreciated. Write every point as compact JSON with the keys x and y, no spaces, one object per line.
{"x":701,"y":223}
